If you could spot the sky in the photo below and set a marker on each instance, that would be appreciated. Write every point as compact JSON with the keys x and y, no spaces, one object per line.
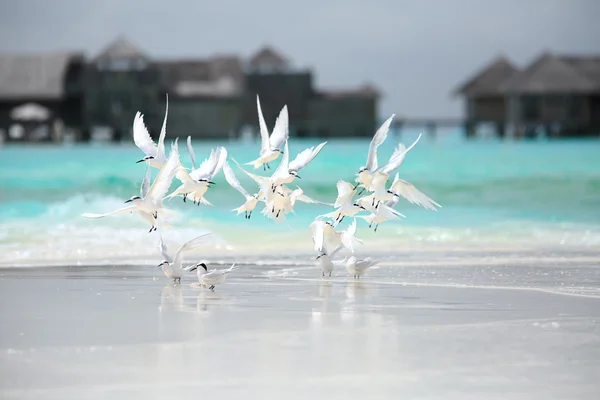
{"x":416,"y":52}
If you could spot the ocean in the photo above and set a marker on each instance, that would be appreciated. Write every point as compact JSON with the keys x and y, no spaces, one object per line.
{"x":494,"y":194}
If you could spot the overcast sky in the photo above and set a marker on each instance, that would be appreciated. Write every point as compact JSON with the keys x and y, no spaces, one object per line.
{"x":415,"y":51}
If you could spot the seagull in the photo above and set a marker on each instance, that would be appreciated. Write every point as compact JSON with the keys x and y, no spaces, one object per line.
{"x":155,"y":155}
{"x":196,"y":183}
{"x":251,"y":201}
{"x":150,"y":203}
{"x":213,"y":277}
{"x":172,"y":267}
{"x":358,"y":267}
{"x":271,"y":146}
{"x":365,"y":173}
{"x":324,"y":261}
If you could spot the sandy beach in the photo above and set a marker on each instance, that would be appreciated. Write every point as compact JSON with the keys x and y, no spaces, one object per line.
{"x":469,"y":330}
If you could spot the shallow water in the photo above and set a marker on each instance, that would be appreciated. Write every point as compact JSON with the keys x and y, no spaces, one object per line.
{"x":430,"y":328}
{"x":524,"y":195}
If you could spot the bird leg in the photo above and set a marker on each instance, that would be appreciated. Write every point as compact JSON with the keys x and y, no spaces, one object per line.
{"x":185,"y":197}
{"x":329,"y":273}
{"x":323,"y":274}
{"x":376,"y":226}
{"x":278,"y":211}
{"x":343,"y":216}
{"x":361,"y":192}
{"x":212,"y":287}
{"x":151,"y":229}
{"x":268,"y":166}
{"x":155,"y":215}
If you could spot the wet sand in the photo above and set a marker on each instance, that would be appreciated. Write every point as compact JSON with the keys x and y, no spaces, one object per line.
{"x":475,"y":330}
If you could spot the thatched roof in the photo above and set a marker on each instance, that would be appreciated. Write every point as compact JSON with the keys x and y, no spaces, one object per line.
{"x":121,"y":49}
{"x":487,"y":80}
{"x":268,"y":58}
{"x":553,"y":74}
{"x":34,"y":76}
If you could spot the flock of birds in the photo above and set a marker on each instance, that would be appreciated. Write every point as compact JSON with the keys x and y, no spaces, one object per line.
{"x":273,"y":191}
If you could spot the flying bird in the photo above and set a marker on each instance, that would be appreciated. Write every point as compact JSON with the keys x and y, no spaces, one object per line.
{"x":155,"y":154}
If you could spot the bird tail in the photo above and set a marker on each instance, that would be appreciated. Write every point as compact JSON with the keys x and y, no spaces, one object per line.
{"x":256,"y":163}
{"x":233,"y":268}
{"x":239,"y":210}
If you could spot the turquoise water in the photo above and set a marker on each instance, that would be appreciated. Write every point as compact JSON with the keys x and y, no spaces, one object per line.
{"x":496,"y":194}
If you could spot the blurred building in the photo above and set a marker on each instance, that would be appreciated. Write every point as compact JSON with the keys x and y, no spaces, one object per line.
{"x":208,"y":98}
{"x":559,"y":94}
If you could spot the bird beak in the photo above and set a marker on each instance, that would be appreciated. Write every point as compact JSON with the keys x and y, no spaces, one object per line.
{"x":211,"y":183}
{"x":142,"y":160}
{"x":298,"y":176}
{"x":128,"y":201}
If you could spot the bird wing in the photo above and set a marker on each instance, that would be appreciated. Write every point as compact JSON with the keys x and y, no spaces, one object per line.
{"x":211,"y":166}
{"x":164,"y":250}
{"x":345,"y":192}
{"x":160,"y":154}
{"x":378,"y":139}
{"x":119,"y":211}
{"x":305,"y":157}
{"x":283,"y":168}
{"x":222,"y":157}
{"x":141,"y":137}
{"x":163,"y":180}
{"x":190,"y":245}
{"x":281,"y":131}
{"x":365,"y":264}
{"x":233,"y":181}
{"x":387,"y":212}
{"x":262,"y":181}
{"x":350,"y":241}
{"x":264,"y":131}
{"x":318,"y":235}
{"x":145,"y":183}
{"x":398,"y":157}
{"x":305,"y":199}
{"x":191,"y":152}
{"x":335,"y":251}
{"x":413,"y":195}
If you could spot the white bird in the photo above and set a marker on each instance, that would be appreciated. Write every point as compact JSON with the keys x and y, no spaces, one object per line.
{"x":298,"y":195}
{"x":345,"y":191}
{"x":271,"y":146}
{"x":195,"y":184}
{"x":365,"y":173}
{"x":155,"y":155}
{"x":324,"y":235}
{"x":191,"y":152}
{"x":172,"y":266}
{"x":356,"y":267}
{"x":380,"y":177}
{"x":251,"y":201}
{"x":383,"y":212}
{"x":344,"y":205}
{"x":325,"y":262}
{"x":412,"y":194}
{"x":213,"y":277}
{"x":302,"y":160}
{"x":151,"y":202}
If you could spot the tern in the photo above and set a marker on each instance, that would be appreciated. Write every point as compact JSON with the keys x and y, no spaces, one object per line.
{"x":365,"y":174}
{"x":383,"y":212}
{"x":344,"y":205}
{"x":324,"y":261}
{"x":251,"y":201}
{"x":271,"y":146}
{"x":195,"y":184}
{"x":171,"y":266}
{"x":356,"y":267}
{"x":155,"y":154}
{"x":286,"y":173}
{"x":150,"y":203}
{"x":213,"y":277}
{"x":323,"y":232}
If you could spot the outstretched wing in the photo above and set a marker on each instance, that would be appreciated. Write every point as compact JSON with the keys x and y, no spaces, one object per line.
{"x":350,"y":241}
{"x":191,"y":152}
{"x":119,"y":211}
{"x":305,"y":199}
{"x":378,"y":138}
{"x":264,"y":131}
{"x":413,"y":195}
{"x":163,"y":132}
{"x":192,"y":244}
{"x":318,"y":235}
{"x":164,"y":250}
{"x":280,"y":130}
{"x":233,"y":181}
{"x":283,"y":168}
{"x":145,"y":183}
{"x":345,"y":192}
{"x":141,"y":137}
{"x":262,"y":181}
{"x":305,"y":157}
{"x":397,"y":157}
{"x":163,"y":180}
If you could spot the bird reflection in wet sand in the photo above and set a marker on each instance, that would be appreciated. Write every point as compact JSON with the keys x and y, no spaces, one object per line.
{"x":171,"y":298}
{"x":208,"y":297}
